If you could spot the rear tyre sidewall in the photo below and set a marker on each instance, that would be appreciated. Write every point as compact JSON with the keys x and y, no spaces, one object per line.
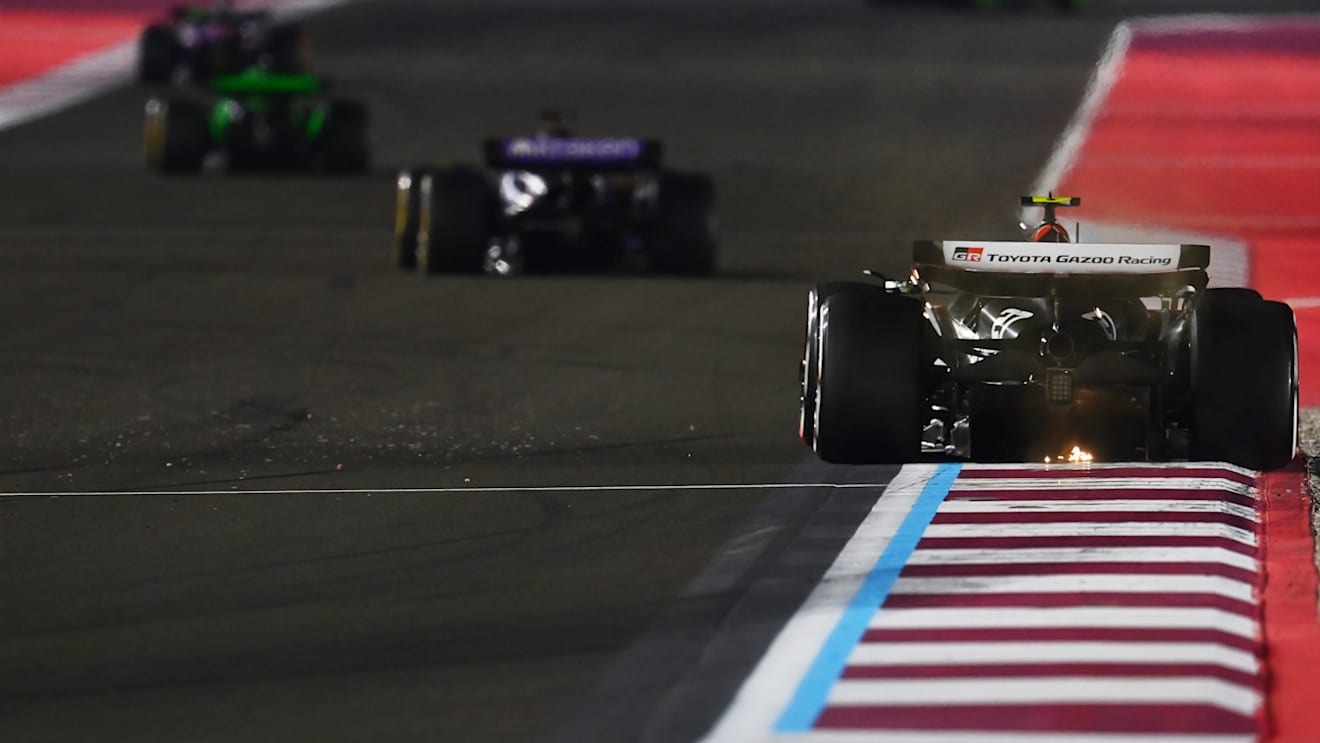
{"x":808,"y":372}
{"x":176,"y":135}
{"x":406,"y":209}
{"x":686,"y":236}
{"x":453,"y":221}
{"x":1244,"y":377}
{"x":870,"y":399}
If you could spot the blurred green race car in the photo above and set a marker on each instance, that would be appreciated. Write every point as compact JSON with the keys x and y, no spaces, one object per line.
{"x":257,"y":120}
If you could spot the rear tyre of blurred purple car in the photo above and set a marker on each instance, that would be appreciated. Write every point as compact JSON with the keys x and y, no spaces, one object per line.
{"x":686,"y":237}
{"x":407,"y":205}
{"x":453,"y":224}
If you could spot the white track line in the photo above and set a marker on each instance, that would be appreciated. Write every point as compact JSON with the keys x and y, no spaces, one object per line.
{"x":1097,"y":90}
{"x":1098,"y":506}
{"x":1052,"y":690}
{"x":988,"y":736}
{"x":455,"y":490}
{"x":1075,"y":583}
{"x":769,"y":688}
{"x":1014,"y":653}
{"x":988,"y":484}
{"x":1108,"y":71}
{"x":1063,"y":555}
{"x":1008,"y":484}
{"x":67,"y":85}
{"x":1097,"y":617}
{"x":1124,"y":529}
{"x":1154,"y":467}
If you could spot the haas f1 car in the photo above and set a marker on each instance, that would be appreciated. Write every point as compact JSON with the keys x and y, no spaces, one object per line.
{"x":257,"y":121}
{"x":199,"y":42}
{"x":1048,"y":350}
{"x":556,"y":203}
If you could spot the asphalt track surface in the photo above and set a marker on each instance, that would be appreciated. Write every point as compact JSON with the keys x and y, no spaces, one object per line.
{"x":247,"y":333}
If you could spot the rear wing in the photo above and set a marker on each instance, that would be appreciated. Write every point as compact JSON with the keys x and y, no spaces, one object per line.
{"x":572,"y":153}
{"x":201,"y":13}
{"x":1035,"y":269}
{"x":1051,"y":200}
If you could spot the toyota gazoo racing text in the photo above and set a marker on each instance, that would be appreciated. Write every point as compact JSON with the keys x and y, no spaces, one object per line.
{"x":556,"y":202}
{"x":1049,"y":351}
{"x":258,"y":120}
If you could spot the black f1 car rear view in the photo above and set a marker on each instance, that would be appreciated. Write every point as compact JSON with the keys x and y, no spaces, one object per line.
{"x":1049,"y":351}
{"x":550,"y":202}
{"x":258,"y":120}
{"x":198,"y":42}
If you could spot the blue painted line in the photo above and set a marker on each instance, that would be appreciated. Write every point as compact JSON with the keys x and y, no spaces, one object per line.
{"x":813,"y":691}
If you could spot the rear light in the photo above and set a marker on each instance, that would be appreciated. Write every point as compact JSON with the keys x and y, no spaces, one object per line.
{"x":1059,"y":386}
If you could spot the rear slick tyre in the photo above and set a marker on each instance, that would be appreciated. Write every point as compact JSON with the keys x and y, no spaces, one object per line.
{"x":808,"y":373}
{"x":407,"y":197}
{"x":686,"y":239}
{"x":175,"y":135}
{"x":453,"y":225}
{"x":870,"y":399}
{"x":1244,"y":375}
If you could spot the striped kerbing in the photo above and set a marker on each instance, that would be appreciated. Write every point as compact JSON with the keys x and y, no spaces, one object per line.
{"x":1024,"y":608}
{"x":1063,"y":603}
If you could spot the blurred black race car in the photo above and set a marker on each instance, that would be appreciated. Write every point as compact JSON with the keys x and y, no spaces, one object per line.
{"x":257,"y":121}
{"x":555,"y":202}
{"x":198,"y":42}
{"x":1048,"y":350}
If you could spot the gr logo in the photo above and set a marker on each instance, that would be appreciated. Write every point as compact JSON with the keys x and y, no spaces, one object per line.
{"x":971,"y":255}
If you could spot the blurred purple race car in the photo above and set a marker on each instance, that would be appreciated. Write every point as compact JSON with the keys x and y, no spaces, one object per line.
{"x":198,"y":42}
{"x":555,"y":201}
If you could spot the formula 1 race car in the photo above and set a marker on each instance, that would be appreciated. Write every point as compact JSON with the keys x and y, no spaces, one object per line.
{"x":198,"y":42}
{"x":556,"y":203}
{"x":1049,"y":351}
{"x":258,"y":121}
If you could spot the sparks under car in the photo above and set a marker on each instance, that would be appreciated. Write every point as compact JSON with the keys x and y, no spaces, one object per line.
{"x":1025,"y":351}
